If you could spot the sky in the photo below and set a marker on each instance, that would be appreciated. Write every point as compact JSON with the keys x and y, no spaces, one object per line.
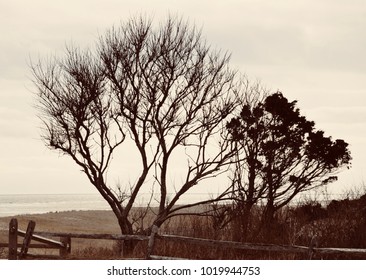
{"x":312,"y":51}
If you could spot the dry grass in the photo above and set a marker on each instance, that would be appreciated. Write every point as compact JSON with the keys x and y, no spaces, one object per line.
{"x":69,"y":222}
{"x":338,"y":225}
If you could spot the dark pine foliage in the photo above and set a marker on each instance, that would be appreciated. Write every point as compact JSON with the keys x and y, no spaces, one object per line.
{"x":282,"y":154}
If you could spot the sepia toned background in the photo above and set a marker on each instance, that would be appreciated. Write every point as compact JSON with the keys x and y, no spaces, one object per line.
{"x":312,"y":51}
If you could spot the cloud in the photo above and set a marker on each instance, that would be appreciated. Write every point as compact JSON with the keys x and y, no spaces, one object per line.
{"x":352,"y":115}
{"x":301,"y":34}
{"x":311,"y":50}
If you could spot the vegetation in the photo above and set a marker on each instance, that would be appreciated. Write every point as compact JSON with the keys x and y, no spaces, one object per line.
{"x":178,"y":102}
{"x":162,"y":89}
{"x":337,"y":224}
{"x":282,"y":155}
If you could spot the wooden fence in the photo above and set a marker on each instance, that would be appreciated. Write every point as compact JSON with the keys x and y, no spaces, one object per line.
{"x":20,"y":251}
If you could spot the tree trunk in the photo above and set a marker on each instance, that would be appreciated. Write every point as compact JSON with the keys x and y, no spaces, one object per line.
{"x":126,"y":247}
{"x":242,"y":222}
{"x":268,"y":221}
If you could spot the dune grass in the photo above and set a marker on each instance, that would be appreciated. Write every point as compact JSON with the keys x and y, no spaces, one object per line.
{"x":339,"y":224}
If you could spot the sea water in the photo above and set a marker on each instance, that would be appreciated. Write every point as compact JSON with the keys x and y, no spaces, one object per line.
{"x":18,"y":204}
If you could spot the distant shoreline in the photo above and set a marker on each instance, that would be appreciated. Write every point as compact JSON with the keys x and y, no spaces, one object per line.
{"x":12,"y":205}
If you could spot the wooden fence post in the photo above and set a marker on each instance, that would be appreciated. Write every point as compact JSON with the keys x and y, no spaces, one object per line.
{"x":150,"y":245}
{"x":27,"y":239}
{"x":313,"y":244}
{"x":67,"y":249}
{"x":13,"y":240}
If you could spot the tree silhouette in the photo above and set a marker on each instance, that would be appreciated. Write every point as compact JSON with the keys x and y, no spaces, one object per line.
{"x":282,"y":155}
{"x":163,"y":88}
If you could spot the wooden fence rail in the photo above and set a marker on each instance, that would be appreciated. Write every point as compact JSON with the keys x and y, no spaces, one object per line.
{"x":310,"y":251}
{"x":64,"y":245}
{"x":94,"y":236}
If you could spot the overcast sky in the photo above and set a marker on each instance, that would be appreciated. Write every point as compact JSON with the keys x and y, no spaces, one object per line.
{"x":311,"y":50}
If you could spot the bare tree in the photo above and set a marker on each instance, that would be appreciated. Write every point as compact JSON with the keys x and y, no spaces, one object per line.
{"x":163,"y":88}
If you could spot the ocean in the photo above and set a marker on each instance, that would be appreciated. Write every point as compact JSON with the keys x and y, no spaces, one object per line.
{"x":19,"y":204}
{"x":11,"y":205}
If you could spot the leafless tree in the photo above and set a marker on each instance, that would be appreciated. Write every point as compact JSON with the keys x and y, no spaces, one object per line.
{"x":161,"y":87}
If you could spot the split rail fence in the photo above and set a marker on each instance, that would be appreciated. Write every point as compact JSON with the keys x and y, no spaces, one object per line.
{"x":20,"y":250}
